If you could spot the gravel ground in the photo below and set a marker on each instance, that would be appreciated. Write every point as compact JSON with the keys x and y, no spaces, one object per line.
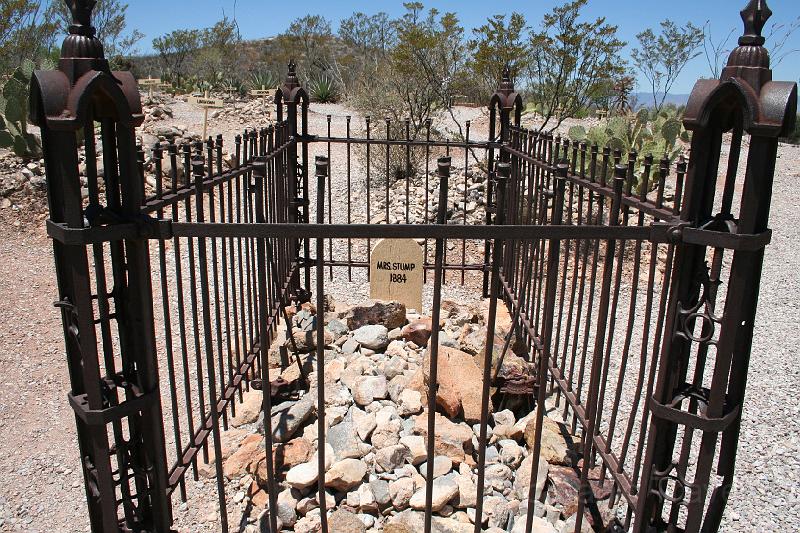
{"x":42,"y":487}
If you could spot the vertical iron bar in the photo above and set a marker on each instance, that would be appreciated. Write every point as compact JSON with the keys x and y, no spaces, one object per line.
{"x":503,"y":173}
{"x":433,"y":345}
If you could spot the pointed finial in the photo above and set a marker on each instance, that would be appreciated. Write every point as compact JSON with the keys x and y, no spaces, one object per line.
{"x":507,"y":72}
{"x":292,"y":67}
{"x":755,"y":17}
{"x":81,"y":13}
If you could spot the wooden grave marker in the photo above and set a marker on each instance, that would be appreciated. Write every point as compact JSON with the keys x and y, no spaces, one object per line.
{"x":263,"y":92}
{"x":150,"y":83}
{"x":206,"y":103}
{"x":395,"y":272}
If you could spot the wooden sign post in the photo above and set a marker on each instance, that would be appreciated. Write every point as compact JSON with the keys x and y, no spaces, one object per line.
{"x":263,"y":92}
{"x":395,"y":272}
{"x":150,"y":83}
{"x":206,"y":103}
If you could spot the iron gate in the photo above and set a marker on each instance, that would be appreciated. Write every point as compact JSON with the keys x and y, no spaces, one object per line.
{"x":612,"y":269}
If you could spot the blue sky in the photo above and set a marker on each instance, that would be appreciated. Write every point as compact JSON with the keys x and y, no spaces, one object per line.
{"x":260,"y":18}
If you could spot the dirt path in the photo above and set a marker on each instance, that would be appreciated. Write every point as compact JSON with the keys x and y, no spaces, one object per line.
{"x":42,"y":487}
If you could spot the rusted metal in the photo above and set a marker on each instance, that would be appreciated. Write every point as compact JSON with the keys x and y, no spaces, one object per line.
{"x":573,"y":235}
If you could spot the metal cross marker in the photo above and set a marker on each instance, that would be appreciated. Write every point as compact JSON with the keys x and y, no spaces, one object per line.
{"x":206,"y":103}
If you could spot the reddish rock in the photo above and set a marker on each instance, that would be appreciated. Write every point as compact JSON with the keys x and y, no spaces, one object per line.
{"x":452,"y":440}
{"x":284,"y":457}
{"x":460,"y":383}
{"x":556,"y":448}
{"x":418,"y":331}
{"x":249,"y":452}
{"x":566,"y":484}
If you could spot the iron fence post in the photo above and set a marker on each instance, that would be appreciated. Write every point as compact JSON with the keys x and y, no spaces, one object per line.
{"x":122,"y":389}
{"x":585,"y":494}
{"x":744,"y":99}
{"x":443,"y":171}
{"x":321,"y":175}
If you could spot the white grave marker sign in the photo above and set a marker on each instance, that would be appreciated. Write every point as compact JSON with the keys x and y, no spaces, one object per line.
{"x":395,"y":272}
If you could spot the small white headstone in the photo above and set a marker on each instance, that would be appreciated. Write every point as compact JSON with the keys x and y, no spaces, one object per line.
{"x":395,"y":272}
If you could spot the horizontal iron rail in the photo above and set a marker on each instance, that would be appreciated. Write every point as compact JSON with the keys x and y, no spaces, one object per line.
{"x":478,"y":145}
{"x":427,"y":265}
{"x":652,"y":233}
{"x":649,"y":208}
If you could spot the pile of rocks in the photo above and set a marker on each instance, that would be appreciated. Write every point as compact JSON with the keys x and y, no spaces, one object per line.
{"x":375,"y":384}
{"x":20,"y":177}
{"x":253,"y":112}
{"x":157,"y":107}
{"x":473,"y":180}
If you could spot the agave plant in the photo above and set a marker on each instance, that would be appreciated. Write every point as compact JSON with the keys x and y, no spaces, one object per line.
{"x":323,"y":90}
{"x":234,"y":86}
{"x":14,"y":114}
{"x":263,"y":79}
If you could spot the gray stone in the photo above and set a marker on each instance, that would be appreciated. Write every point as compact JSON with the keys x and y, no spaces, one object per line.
{"x":303,"y":475}
{"x":365,"y":423}
{"x":496,"y":511}
{"x":392,"y":457}
{"x":416,"y":446}
{"x":342,"y":521}
{"x":286,"y":423}
{"x":401,"y":491}
{"x":337,"y":328}
{"x":374,"y":337}
{"x":350,"y":346}
{"x":444,"y":489}
{"x":441,"y":466}
{"x":345,"y":474}
{"x":343,"y":438}
{"x":380,"y":489}
{"x":394,"y":367}
{"x":467,"y":492}
{"x":397,"y":386}
{"x":410,"y":402}
{"x":522,"y":479}
{"x":369,"y":388}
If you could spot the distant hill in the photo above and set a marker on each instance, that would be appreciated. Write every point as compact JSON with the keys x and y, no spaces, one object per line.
{"x":646,"y":99}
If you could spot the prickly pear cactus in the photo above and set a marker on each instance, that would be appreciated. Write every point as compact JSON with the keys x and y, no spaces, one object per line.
{"x":14,"y":114}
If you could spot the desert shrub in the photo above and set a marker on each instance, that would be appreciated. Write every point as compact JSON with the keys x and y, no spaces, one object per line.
{"x":645,"y":133}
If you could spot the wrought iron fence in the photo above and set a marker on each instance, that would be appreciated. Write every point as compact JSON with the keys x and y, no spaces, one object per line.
{"x":641,"y":349}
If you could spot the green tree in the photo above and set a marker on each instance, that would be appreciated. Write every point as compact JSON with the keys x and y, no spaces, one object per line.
{"x":368,"y":40}
{"x":175,"y":50}
{"x":218,"y":44}
{"x":313,"y":34}
{"x":494,"y":45}
{"x":426,"y":61}
{"x":661,"y":58}
{"x":26,"y":33}
{"x":571,"y":62}
{"x":109,"y":19}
